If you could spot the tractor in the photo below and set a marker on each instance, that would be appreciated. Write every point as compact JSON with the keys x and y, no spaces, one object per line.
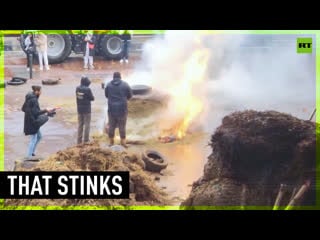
{"x":62,"y":43}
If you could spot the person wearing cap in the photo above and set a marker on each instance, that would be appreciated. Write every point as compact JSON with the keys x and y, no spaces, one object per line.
{"x":118,"y":92}
{"x":126,"y":38}
{"x":89,"y":50}
{"x":84,"y":97}
{"x":34,"y":118}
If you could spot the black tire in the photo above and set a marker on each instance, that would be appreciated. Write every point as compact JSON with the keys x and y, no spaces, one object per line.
{"x":16,"y":83}
{"x":111,"y":47}
{"x":50,"y":81}
{"x":140,"y":89}
{"x":155,"y":162}
{"x":18,"y":79}
{"x":60,"y":53}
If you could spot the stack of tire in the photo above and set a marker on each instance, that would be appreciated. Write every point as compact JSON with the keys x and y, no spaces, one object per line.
{"x":15,"y":81}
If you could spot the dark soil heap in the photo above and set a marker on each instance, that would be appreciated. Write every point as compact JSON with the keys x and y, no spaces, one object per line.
{"x":252,"y":154}
{"x":92,"y":157}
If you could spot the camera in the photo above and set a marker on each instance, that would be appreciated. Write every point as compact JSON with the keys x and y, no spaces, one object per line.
{"x":51,"y":114}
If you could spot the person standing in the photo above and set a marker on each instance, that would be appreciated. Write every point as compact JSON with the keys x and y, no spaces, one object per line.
{"x":84,"y":97}
{"x":34,"y":118}
{"x":30,"y":49}
{"x":118,"y":92}
{"x":89,"y":50}
{"x":126,"y":38}
{"x":42,"y":46}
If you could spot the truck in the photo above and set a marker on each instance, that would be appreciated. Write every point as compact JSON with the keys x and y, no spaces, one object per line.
{"x":61,"y":43}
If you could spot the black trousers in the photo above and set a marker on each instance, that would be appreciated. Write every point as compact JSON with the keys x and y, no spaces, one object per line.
{"x":119,"y":122}
{"x":84,"y":120}
{"x":126,"y":45}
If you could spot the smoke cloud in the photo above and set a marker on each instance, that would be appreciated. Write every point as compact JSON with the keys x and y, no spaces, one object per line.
{"x":243,"y":71}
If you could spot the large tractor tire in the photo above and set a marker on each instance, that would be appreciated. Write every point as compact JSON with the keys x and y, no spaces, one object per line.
{"x":111,"y":47}
{"x":59,"y":47}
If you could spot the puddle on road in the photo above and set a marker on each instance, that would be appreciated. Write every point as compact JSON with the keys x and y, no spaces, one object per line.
{"x":186,"y":162}
{"x":186,"y":159}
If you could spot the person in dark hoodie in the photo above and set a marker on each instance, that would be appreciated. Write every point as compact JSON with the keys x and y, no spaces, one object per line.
{"x":84,"y":97}
{"x":126,"y":39}
{"x":118,"y":92}
{"x":34,"y":118}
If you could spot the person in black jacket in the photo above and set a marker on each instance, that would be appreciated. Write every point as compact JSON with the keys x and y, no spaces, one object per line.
{"x":126,"y":39}
{"x":84,"y":97}
{"x":117,"y":92}
{"x":34,"y":118}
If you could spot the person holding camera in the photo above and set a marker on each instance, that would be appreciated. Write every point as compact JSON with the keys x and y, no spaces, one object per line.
{"x":34,"y":118}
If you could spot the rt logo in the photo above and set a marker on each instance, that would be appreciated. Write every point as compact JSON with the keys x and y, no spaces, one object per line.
{"x":304,"y":45}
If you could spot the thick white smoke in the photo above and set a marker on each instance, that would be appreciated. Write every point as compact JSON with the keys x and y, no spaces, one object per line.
{"x":260,"y":72}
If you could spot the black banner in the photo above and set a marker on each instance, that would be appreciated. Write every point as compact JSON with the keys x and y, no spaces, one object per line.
{"x":72,"y":185}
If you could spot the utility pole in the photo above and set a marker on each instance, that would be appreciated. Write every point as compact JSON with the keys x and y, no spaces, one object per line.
{"x":30,"y":56}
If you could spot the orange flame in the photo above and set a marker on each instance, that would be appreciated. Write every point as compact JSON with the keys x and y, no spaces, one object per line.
{"x":186,"y":104}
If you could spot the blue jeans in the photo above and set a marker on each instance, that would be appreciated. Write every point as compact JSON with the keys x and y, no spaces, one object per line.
{"x":34,"y":140}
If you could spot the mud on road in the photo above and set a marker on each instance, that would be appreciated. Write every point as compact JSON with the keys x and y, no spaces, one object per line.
{"x":186,"y":158}
{"x":60,"y":131}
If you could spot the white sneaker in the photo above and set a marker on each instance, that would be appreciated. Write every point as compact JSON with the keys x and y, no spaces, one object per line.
{"x":121,"y":61}
{"x":127,"y":61}
{"x":91,"y":67}
{"x":48,"y":68}
{"x":41,"y":69}
{"x":85,"y":67}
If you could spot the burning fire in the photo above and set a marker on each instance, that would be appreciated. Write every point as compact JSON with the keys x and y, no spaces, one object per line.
{"x":185,"y":103}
